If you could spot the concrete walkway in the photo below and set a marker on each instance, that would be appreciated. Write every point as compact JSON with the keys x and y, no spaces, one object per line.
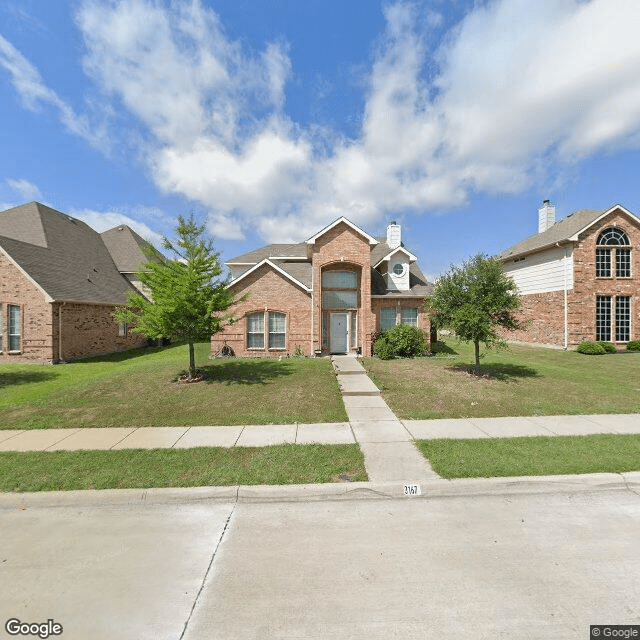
{"x":389,"y":452}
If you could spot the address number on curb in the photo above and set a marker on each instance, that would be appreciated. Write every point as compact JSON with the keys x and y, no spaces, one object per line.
{"x":412,"y":490}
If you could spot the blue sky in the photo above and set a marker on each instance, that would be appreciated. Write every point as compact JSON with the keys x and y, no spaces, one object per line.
{"x":271,"y":118}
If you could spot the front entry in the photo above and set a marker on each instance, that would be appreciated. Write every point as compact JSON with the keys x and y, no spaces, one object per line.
{"x":339,"y":335}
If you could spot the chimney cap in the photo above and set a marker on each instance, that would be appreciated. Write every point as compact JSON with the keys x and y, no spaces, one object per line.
{"x":545,"y":202}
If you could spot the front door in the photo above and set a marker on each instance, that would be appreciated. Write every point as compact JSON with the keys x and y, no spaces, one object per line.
{"x":339,"y":341}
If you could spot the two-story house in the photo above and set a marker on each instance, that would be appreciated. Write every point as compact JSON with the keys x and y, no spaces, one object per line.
{"x":579,"y":278}
{"x":331,"y":293}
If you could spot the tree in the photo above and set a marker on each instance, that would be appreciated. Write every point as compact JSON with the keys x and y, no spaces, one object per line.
{"x":475,"y":300}
{"x":184,"y":295}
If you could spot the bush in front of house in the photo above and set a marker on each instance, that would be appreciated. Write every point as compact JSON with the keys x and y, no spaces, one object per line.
{"x":634,"y":345}
{"x":591,"y":348}
{"x":403,"y":341}
{"x":609,"y":347}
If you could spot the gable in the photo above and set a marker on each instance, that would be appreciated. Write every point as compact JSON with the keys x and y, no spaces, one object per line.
{"x":342,"y":221}
{"x":298,"y":274}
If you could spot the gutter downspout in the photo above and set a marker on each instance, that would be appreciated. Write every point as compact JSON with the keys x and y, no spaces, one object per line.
{"x":312,"y":352}
{"x":60,"y":331}
{"x":566,"y":309}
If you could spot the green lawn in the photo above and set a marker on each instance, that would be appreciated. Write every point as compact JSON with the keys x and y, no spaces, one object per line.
{"x":206,"y":466}
{"x":139,"y":388}
{"x":535,"y":456}
{"x":520,"y":381}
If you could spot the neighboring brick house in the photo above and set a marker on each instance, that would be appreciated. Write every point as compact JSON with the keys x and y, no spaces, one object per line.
{"x":579,"y":278}
{"x":329,"y":294}
{"x":59,"y":283}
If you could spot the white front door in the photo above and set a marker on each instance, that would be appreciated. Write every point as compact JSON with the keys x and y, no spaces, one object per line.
{"x":339,"y":342}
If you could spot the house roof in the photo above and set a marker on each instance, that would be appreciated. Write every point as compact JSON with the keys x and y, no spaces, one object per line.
{"x":335,"y":223}
{"x":564,"y":230}
{"x":382,"y":252}
{"x":299,"y":273}
{"x":127,"y":248}
{"x":298,"y":250}
{"x":418,"y":284}
{"x":65,"y":258}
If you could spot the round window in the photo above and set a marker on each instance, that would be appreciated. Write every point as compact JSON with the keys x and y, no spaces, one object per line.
{"x":398,"y":268}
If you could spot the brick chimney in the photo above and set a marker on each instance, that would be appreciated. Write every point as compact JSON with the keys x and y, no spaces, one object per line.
{"x":546,"y":216}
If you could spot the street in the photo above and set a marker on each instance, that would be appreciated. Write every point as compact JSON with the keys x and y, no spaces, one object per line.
{"x":541,"y":565}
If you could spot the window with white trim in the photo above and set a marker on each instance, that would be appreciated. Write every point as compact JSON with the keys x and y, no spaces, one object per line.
{"x":277,"y":330}
{"x":409,"y":315}
{"x":603,"y":318}
{"x":255,"y":331}
{"x":387,"y":318}
{"x":14,"y":328}
{"x":623,"y":318}
{"x":613,"y":237}
{"x":267,"y":327}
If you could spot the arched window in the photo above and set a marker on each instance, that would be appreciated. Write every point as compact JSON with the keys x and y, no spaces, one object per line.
{"x":613,"y":237}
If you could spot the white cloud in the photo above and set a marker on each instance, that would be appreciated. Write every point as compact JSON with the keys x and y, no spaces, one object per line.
{"x":29,"y":84}
{"x":511,"y":96}
{"x":27,"y":191}
{"x":103,"y":220}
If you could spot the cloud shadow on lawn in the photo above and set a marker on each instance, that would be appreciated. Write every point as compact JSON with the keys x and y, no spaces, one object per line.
{"x":10,"y":378}
{"x":242,"y":372}
{"x":498,"y":371}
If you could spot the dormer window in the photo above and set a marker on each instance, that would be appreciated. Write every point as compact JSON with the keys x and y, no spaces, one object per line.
{"x":613,"y":237}
{"x":398,"y":268}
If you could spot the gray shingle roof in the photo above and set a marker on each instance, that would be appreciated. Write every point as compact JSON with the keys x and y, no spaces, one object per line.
{"x":126,"y":248}
{"x":418,"y":285}
{"x":559,"y":232}
{"x":298,"y":250}
{"x":300,"y":271}
{"x":64,"y":256}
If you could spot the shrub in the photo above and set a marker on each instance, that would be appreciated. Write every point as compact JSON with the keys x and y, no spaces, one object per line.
{"x":403,"y":341}
{"x":591,"y":348}
{"x":609,"y":347}
{"x":634,"y":345}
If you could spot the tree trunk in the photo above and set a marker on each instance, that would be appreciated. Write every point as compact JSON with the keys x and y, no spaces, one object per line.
{"x":477,"y":345}
{"x":192,"y":362}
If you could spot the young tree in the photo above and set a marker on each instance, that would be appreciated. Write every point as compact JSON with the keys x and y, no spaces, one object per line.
{"x":475,"y":300}
{"x":184,"y":295}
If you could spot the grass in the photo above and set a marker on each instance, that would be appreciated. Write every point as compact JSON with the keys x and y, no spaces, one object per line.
{"x":532,"y":456}
{"x":139,"y":388}
{"x":204,"y":466}
{"x":520,"y":381}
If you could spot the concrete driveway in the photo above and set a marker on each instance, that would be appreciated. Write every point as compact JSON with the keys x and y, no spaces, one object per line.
{"x":510,"y":565}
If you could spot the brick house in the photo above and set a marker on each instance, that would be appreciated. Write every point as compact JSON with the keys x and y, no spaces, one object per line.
{"x":329,"y":294}
{"x":59,"y":282}
{"x":579,"y":278}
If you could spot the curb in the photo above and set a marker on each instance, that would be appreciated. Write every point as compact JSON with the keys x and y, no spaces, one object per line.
{"x":462,"y":487}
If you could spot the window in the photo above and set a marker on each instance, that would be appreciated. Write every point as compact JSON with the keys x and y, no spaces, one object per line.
{"x":339,"y":290}
{"x":603,"y":263}
{"x":14,"y":328}
{"x":339,"y":280}
{"x":623,"y":263}
{"x":613,"y":238}
{"x":398,"y":268}
{"x":603,"y":318}
{"x":275,"y":322}
{"x":409,"y":315}
{"x":123,"y":329}
{"x":354,"y":330}
{"x":623,"y":318}
{"x":277,"y":330}
{"x":387,"y":318}
{"x":255,"y":331}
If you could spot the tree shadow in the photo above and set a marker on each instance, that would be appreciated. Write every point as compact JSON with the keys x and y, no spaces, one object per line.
{"x":498,"y":371}
{"x":246,"y":372}
{"x":9,"y":378}
{"x":440,"y":347}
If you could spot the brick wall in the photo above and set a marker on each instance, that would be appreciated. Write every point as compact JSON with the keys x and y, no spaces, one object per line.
{"x":268,"y":290}
{"x":423,"y":319}
{"x":35,"y":316}
{"x":89,"y":330}
{"x":543,"y":318}
{"x":343,"y":248}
